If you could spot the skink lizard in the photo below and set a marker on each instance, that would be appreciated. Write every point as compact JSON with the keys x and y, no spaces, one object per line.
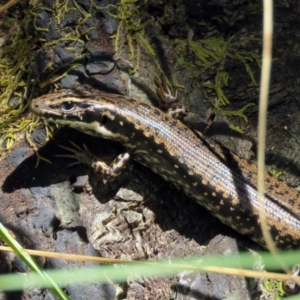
{"x":217,"y":179}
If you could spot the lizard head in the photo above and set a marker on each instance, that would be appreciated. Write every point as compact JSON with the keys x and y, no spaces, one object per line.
{"x":90,"y":113}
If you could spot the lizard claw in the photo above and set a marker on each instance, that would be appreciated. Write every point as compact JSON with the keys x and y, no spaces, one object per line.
{"x":164,"y":93}
{"x":79,"y":154}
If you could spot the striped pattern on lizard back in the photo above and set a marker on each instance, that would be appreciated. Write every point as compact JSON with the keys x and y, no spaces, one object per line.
{"x":183,"y":157}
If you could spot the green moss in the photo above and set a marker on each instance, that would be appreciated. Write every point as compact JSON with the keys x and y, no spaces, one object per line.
{"x":210,"y":56}
{"x":276,"y":172}
{"x":16,"y":83}
{"x":274,"y":288}
{"x":132,"y":23}
{"x":210,"y":53}
{"x":13,"y":86}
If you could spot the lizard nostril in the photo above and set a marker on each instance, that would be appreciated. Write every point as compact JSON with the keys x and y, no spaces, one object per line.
{"x":104,"y":120}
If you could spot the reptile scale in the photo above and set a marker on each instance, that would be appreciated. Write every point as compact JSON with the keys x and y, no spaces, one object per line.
{"x":216,"y":178}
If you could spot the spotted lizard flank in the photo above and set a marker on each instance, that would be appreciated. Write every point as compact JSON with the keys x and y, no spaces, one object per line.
{"x":217,"y":179}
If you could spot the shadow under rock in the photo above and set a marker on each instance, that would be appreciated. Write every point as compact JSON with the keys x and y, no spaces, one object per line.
{"x":28,"y":174}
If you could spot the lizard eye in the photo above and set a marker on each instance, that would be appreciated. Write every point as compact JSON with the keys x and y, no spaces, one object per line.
{"x":67,"y":106}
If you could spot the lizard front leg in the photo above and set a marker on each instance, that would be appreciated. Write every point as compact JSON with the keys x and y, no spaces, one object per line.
{"x":84,"y":156}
